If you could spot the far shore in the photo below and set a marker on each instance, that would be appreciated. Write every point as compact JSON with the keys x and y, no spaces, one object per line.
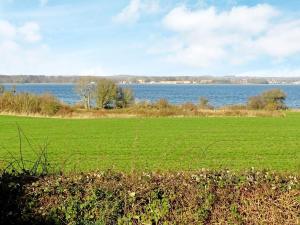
{"x":159,"y":83}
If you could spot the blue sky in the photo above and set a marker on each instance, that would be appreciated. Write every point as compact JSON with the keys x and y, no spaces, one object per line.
{"x":150,"y":37}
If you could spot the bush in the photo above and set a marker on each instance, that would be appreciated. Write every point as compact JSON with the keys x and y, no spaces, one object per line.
{"x":45,"y":104}
{"x":269,"y":100}
{"x":256,"y":102}
{"x":49,"y":105}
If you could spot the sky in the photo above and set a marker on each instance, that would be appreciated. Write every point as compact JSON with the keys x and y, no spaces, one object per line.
{"x":150,"y":37}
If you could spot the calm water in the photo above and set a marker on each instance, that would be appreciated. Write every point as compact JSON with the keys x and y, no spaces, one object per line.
{"x":218,"y":95}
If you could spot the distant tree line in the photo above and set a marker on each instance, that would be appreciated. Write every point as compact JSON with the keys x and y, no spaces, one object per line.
{"x":144,"y":79}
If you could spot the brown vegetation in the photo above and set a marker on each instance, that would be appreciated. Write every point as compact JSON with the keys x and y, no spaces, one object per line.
{"x":30,"y":104}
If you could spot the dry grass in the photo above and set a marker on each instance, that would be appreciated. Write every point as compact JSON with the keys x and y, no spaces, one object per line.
{"x":128,"y":113}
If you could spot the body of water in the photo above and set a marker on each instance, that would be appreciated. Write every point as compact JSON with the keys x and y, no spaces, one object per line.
{"x":218,"y":95}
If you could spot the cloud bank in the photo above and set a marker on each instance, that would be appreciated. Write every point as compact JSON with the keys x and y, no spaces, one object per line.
{"x":207,"y":37}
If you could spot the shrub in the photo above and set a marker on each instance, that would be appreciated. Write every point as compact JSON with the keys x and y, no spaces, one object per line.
{"x":256,"y":102}
{"x":45,"y":104}
{"x":49,"y":105}
{"x":269,"y":100}
{"x":274,"y":99}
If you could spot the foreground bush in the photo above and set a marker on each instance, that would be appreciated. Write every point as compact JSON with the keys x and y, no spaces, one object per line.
{"x":204,"y":197}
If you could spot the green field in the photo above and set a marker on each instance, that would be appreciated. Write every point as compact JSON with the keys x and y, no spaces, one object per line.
{"x":160,"y":143}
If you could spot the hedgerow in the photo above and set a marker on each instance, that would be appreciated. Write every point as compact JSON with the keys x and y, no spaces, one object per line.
{"x":203,"y":197}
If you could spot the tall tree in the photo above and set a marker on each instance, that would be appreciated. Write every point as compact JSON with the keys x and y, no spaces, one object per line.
{"x":86,"y":88}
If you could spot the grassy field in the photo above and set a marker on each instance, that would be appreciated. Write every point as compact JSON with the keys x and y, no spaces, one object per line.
{"x":160,"y":143}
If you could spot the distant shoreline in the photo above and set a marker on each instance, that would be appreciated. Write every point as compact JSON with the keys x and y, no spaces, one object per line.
{"x":212,"y":84}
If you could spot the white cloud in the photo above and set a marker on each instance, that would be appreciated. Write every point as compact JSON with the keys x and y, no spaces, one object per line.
{"x":281,"y":40}
{"x":16,"y":54}
{"x":133,"y":11}
{"x":23,"y":52}
{"x":7,"y":30}
{"x":30,"y":32}
{"x":210,"y":37}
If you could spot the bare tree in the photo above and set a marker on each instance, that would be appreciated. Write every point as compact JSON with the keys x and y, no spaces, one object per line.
{"x":86,"y":88}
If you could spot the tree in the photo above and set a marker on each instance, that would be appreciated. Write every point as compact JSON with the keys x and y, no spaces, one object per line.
{"x":86,"y":87}
{"x":106,"y":93}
